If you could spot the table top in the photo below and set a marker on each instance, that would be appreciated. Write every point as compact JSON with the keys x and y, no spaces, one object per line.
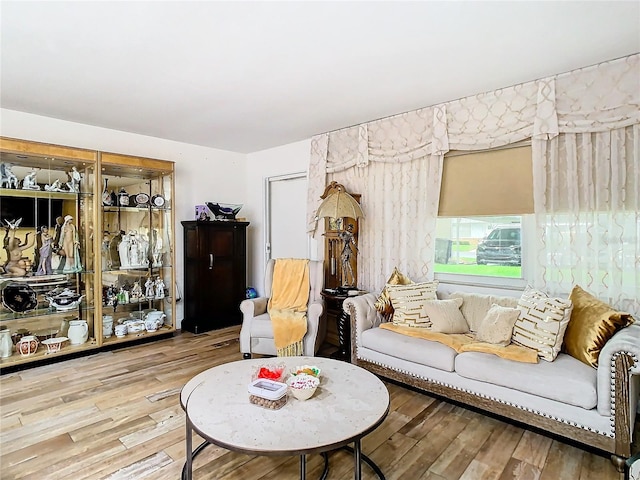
{"x":349,"y":403}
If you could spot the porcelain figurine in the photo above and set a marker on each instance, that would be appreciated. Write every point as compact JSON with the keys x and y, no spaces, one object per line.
{"x":74,"y":180}
{"x":30,"y":182}
{"x":8,"y":179}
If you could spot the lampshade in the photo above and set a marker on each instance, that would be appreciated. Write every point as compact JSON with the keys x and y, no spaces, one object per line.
{"x":339,"y":205}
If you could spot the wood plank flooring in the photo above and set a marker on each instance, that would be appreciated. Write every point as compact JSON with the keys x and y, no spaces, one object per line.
{"x":116,"y":415}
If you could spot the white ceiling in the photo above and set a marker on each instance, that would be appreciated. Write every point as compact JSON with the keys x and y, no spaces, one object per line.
{"x":247,"y":76}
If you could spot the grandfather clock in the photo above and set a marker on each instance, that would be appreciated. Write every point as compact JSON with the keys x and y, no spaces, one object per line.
{"x":340,"y":211}
{"x":340,"y":239}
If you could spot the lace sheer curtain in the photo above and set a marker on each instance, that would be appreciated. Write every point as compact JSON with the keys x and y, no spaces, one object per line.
{"x":396,"y":164}
{"x":587,"y":209}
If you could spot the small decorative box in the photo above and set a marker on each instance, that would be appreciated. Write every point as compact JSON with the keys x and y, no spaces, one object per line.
{"x":268,"y":393}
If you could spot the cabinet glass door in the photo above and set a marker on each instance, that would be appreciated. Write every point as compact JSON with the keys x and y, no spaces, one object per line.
{"x":137,"y":280}
{"x":47,"y":271}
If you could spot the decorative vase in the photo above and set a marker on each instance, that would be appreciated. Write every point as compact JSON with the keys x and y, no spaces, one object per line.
{"x":78,"y":332}
{"x":106,"y":197}
{"x":6,"y":345}
{"x":27,"y":345}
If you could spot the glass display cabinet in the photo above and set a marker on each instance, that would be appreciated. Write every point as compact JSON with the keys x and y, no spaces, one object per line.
{"x":136,"y":248}
{"x":47,"y":266}
{"x":87,"y":259}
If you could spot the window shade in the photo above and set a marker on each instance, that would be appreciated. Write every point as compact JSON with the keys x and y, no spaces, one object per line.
{"x":497,"y":182}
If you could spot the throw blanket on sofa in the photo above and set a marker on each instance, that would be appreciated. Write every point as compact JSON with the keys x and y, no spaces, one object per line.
{"x":465,"y":342}
{"x":288,"y":305}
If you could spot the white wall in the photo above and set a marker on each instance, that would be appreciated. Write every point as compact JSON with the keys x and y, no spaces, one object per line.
{"x":202,"y":173}
{"x":282,"y":160}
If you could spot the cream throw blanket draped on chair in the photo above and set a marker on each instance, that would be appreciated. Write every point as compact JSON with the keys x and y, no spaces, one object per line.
{"x":288,"y":305}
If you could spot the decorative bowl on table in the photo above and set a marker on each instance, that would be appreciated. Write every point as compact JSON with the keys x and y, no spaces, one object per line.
{"x":306,"y":370}
{"x":55,"y":344}
{"x":303,"y":386}
{"x":273,"y":371}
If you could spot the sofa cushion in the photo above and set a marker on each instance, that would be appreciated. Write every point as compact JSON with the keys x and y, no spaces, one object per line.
{"x":497,"y":325}
{"x":405,"y":347}
{"x":408,"y":302}
{"x":592,"y":324}
{"x":445,"y":316}
{"x":383,"y":302}
{"x":475,"y":306}
{"x":542,"y":322}
{"x":565,"y":380}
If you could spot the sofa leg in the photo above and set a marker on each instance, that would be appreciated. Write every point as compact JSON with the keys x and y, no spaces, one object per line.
{"x":618,"y":462}
{"x":246,"y":356}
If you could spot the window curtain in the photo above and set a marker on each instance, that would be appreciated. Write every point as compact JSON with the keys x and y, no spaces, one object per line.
{"x":395,"y":163}
{"x":586,"y":181}
{"x":587,"y":210}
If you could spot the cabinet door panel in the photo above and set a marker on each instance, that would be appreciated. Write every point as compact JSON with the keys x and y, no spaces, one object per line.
{"x":215,"y":276}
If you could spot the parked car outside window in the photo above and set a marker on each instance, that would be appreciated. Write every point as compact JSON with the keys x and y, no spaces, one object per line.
{"x":502,"y":246}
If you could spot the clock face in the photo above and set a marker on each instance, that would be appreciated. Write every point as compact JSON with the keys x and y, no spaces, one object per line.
{"x":142,"y":199}
{"x":158,"y":201}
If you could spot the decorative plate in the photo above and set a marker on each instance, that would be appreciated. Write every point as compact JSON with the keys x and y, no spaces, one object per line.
{"x":142,"y":199}
{"x":19,"y":297}
{"x":158,"y":201}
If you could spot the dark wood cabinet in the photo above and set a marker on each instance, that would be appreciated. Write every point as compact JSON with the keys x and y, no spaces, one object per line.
{"x":215,"y":274}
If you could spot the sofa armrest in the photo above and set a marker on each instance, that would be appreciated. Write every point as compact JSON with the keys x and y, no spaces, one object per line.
{"x":363,"y":315}
{"x":616,"y":374}
{"x":250,"y":308}
{"x":315,"y":332}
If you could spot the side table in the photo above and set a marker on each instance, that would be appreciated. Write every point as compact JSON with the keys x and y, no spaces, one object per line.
{"x":343,"y":323}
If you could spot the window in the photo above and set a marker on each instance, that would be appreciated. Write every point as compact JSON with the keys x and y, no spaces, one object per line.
{"x":485,"y":214}
{"x":480,"y":245}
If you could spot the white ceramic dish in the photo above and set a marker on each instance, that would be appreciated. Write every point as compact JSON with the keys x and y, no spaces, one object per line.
{"x":303,"y":386}
{"x":54,"y":344}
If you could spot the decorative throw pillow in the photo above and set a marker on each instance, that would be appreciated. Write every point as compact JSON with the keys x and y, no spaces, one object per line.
{"x":497,"y":325}
{"x":542,"y":323}
{"x":408,"y":302}
{"x":446,"y":316}
{"x":383,"y":303}
{"x":593,"y":323}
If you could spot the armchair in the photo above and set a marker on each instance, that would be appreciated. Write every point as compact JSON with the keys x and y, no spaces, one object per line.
{"x":256,"y":334}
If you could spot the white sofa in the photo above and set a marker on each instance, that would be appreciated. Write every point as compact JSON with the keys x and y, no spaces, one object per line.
{"x":596,"y":407}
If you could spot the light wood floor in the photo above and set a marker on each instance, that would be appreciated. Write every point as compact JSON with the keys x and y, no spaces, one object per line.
{"x":116,"y":415}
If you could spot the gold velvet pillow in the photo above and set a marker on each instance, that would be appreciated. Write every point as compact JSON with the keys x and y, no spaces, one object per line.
{"x":592,"y":324}
{"x":383,"y":303}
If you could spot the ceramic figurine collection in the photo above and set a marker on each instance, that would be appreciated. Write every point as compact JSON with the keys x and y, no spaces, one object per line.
{"x":56,"y":251}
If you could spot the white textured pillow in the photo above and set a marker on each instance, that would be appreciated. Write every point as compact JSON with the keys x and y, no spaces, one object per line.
{"x":497,"y":325}
{"x":541,"y":323}
{"x":446,"y":316}
{"x":408,"y":302}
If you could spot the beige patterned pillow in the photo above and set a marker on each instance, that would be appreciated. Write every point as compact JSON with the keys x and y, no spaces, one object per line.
{"x":497,"y":325}
{"x":542,"y":323}
{"x":446,"y":316}
{"x":383,"y":302}
{"x":408,"y":303}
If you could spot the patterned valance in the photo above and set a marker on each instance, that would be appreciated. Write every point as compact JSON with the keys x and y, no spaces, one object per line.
{"x":592,"y":99}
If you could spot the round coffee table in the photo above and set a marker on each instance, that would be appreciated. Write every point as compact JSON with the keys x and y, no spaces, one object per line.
{"x":349,"y":403}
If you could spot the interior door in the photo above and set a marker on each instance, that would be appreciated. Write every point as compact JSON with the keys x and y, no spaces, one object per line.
{"x":286,"y":207}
